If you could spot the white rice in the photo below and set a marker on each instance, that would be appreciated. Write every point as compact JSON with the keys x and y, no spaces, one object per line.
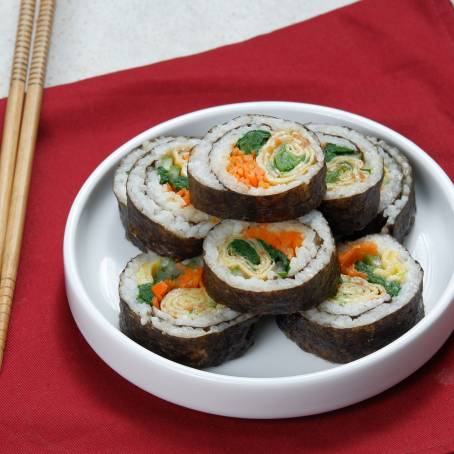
{"x":161,"y":206}
{"x":353,"y":308}
{"x":169,"y":199}
{"x":343,"y":136}
{"x":392,"y":206}
{"x":187,"y":327}
{"x":209,"y":159}
{"x":390,"y":190}
{"x":125,"y":166}
{"x":309,"y":260}
{"x":375,"y":312}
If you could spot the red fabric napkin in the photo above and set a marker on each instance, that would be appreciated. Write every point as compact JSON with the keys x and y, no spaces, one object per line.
{"x":391,"y":60}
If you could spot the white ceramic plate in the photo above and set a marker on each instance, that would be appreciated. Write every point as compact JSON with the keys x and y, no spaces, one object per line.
{"x":274,"y":379}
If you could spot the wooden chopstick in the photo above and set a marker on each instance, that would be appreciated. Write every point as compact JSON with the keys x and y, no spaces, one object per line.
{"x":25,"y":154}
{"x":11,"y":129}
{"x":13,"y":114}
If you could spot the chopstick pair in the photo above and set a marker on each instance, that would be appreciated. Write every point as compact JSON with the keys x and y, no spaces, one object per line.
{"x":18,"y":143}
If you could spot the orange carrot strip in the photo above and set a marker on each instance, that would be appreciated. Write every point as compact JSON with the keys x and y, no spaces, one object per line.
{"x":287,"y":241}
{"x":191,"y":278}
{"x":184,"y":194}
{"x":160,"y":289}
{"x":356,"y":253}
{"x":246,"y":170}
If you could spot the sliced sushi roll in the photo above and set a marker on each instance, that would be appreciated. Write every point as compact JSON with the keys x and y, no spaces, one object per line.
{"x":164,"y":307}
{"x":396,"y":212}
{"x":120,"y":178}
{"x":353,"y":178}
{"x":271,"y":268}
{"x":379,"y":299}
{"x":257,"y":168}
{"x":160,"y":213}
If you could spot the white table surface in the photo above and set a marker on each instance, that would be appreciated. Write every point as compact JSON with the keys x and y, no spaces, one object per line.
{"x":93,"y":37}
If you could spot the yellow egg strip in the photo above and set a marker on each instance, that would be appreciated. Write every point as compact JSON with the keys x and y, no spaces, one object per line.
{"x":391,"y":267}
{"x":347,"y":170}
{"x":357,"y":289}
{"x":181,"y":301}
{"x":238,"y":264}
{"x":144,"y":274}
{"x":180,"y":157}
{"x":297,"y":145}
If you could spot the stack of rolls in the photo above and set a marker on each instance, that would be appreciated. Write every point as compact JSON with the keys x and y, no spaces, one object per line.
{"x":397,"y":207}
{"x":272,"y":268}
{"x":119,"y":184}
{"x":165,"y":308}
{"x":243,"y":223}
{"x":153,"y":189}
{"x":379,"y":298}
{"x":257,"y":168}
{"x":353,"y":179}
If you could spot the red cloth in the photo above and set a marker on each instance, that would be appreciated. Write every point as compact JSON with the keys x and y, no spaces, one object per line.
{"x":391,"y":60}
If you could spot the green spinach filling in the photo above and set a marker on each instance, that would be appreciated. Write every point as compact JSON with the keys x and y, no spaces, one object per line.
{"x":244,"y":249}
{"x":170,"y":173}
{"x":333,"y":175}
{"x":145,"y":295}
{"x":284,"y":160}
{"x":280,"y":259}
{"x":332,"y":150}
{"x":367,"y":267}
{"x":166,"y":269}
{"x":252,"y":141}
{"x":337,"y":169}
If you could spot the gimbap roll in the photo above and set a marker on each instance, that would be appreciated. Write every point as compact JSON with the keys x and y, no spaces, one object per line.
{"x":353,"y":178}
{"x":160,"y":212}
{"x":271,"y":268}
{"x":164,"y":307}
{"x":396,"y":213}
{"x":379,"y":299}
{"x":119,"y":183}
{"x":257,"y":168}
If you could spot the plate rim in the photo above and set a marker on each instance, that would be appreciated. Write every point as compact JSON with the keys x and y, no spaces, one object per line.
{"x":73,"y":279}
